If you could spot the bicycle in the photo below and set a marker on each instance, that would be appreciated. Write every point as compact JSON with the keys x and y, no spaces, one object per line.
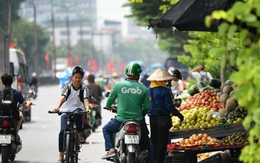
{"x":70,"y":142}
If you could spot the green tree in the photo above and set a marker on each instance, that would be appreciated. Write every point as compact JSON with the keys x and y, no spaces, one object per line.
{"x":24,"y":40}
{"x":242,"y":34}
{"x":168,"y":41}
{"x":4,"y":12}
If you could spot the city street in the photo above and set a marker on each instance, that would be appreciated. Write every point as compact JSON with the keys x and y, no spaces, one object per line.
{"x":40,"y":136}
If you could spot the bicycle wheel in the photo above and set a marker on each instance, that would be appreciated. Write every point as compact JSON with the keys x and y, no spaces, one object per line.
{"x":75,"y":149}
{"x":68,"y":151}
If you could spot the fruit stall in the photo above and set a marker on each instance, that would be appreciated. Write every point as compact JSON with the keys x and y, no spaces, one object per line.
{"x":212,"y":125}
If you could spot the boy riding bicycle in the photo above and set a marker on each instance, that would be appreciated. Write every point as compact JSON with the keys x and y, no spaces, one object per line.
{"x":72,"y":102}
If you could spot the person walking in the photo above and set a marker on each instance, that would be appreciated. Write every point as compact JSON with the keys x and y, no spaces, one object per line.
{"x":161,"y":109}
{"x":131,"y":105}
{"x":200,"y":74}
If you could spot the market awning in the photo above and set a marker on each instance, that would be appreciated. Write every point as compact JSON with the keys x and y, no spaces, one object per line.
{"x":189,"y":15}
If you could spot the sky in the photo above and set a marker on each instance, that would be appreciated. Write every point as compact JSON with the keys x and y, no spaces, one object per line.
{"x":113,"y":10}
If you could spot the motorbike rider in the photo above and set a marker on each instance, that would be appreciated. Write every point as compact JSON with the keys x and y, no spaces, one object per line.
{"x":72,"y":103}
{"x":113,"y":80}
{"x":96,"y":92}
{"x":7,"y":80}
{"x":34,"y":82}
{"x":176,"y":83}
{"x":131,"y":105}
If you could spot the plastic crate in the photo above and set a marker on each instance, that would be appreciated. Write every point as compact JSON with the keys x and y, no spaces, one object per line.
{"x":178,"y":159}
{"x":221,"y":157}
{"x":181,"y":157}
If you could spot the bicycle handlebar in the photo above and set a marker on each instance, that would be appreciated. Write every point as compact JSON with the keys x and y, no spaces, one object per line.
{"x":67,"y":112}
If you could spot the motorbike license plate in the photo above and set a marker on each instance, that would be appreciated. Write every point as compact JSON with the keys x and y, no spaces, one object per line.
{"x":5,"y":139}
{"x":131,"y":139}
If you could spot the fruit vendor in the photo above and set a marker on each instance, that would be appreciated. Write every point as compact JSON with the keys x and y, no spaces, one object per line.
{"x":161,"y":108}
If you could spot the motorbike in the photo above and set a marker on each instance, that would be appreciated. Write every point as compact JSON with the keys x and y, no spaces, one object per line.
{"x":127,"y":142}
{"x":90,"y":122}
{"x":34,"y":90}
{"x":86,"y":126}
{"x":95,"y":120}
{"x":10,"y":142}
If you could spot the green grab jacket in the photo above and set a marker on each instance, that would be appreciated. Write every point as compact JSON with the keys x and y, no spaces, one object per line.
{"x":132,"y":100}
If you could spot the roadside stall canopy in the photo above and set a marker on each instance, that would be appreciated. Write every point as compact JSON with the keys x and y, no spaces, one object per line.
{"x":189,"y":15}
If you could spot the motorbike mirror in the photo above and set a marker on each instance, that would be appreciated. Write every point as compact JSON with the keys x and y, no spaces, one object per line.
{"x":107,"y":94}
{"x":30,"y":94}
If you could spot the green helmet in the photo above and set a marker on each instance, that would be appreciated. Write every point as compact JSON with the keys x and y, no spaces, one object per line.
{"x":133,"y":69}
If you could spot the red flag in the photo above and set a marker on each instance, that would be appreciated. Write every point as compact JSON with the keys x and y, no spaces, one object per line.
{"x":77,"y":61}
{"x":11,"y":44}
{"x":110,"y":67}
{"x":69,"y":61}
{"x":47,"y":60}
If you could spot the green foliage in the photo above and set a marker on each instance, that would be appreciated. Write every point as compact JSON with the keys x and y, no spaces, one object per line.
{"x":243,"y":49}
{"x":168,"y":41}
{"x":4,"y":12}
{"x":202,"y":52}
{"x":23,"y":36}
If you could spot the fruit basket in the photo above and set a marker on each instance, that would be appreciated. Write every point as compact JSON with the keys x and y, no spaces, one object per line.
{"x":217,"y":131}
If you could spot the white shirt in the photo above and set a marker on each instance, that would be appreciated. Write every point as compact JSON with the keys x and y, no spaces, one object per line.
{"x":73,"y":102}
{"x":174,"y":88}
{"x":197,"y":75}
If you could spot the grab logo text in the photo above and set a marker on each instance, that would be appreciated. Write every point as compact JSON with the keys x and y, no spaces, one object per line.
{"x":126,"y":90}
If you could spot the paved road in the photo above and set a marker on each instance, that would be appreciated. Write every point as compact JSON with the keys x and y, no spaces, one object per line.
{"x":40,"y":136}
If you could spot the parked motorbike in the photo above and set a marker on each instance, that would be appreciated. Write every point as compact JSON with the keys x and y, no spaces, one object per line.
{"x":127,"y":142}
{"x":10,"y":142}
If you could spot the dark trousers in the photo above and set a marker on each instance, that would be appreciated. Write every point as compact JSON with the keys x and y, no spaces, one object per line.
{"x":159,"y":139}
{"x":63,"y":125}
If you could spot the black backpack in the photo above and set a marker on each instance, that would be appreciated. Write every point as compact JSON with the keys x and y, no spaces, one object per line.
{"x":82,"y":87}
{"x":7,"y":103}
{"x":204,"y":78}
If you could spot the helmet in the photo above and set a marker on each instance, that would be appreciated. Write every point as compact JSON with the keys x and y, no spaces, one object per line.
{"x":34,"y":74}
{"x":133,"y":69}
{"x":114,"y":75}
{"x":175,"y":72}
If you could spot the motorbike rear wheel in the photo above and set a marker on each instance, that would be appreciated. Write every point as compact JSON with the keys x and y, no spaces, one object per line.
{"x":5,"y":154}
{"x":130,"y":157}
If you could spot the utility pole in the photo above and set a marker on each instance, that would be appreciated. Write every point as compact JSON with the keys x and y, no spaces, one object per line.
{"x":68,"y":31}
{"x":81,"y":42}
{"x":36,"y":59}
{"x":53,"y":41}
{"x":10,"y":19}
{"x":101,"y":51}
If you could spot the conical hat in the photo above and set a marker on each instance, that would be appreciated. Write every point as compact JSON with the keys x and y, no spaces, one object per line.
{"x":160,"y":75}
